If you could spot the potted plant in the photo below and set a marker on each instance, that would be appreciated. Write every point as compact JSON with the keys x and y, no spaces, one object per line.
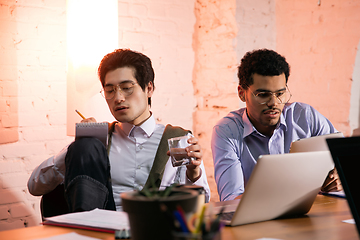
{"x":150,"y":211}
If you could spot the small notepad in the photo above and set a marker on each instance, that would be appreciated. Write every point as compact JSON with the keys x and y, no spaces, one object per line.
{"x":98,"y":130}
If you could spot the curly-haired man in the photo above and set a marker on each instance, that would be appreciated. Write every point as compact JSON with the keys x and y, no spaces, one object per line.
{"x":267,"y":125}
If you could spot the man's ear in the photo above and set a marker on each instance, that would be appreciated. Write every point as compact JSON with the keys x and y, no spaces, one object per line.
{"x":149,"y":89}
{"x":241,"y":93}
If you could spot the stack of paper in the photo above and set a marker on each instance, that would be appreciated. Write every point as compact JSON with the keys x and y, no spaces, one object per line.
{"x":97,"y":219}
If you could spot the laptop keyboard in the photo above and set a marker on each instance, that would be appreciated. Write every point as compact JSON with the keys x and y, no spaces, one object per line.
{"x":227,"y":216}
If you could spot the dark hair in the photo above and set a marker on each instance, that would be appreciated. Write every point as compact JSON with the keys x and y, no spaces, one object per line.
{"x":263,"y":62}
{"x":143,"y":71}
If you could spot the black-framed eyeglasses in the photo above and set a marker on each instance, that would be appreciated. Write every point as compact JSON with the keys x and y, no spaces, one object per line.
{"x":281,"y":96}
{"x":126,"y":89}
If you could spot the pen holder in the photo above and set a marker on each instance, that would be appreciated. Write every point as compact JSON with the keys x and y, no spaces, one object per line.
{"x":192,"y":236}
{"x":151,"y":218}
{"x":201,"y":197}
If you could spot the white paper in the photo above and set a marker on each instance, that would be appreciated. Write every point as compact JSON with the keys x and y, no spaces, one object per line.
{"x":268,"y":239}
{"x":337,"y":194}
{"x":72,"y":236}
{"x":97,"y":218}
{"x":351,"y":221}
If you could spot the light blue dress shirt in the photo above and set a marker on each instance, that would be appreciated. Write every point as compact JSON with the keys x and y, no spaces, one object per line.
{"x":236,"y":144}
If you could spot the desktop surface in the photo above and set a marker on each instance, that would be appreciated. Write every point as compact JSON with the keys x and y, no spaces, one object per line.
{"x":324,"y":221}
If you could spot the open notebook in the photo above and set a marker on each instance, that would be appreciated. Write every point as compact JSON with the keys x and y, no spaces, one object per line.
{"x":97,"y":220}
{"x":280,"y":186}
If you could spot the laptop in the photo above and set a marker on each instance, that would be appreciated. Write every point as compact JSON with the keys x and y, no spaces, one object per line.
{"x":316,"y":143}
{"x":283,"y":185}
{"x":345,"y":153}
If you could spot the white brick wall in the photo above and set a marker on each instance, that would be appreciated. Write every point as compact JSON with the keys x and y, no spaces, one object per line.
{"x":195,"y":46}
{"x":163,"y":30}
{"x":32,"y":100}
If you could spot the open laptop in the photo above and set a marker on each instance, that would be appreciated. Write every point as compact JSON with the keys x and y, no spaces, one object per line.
{"x":316,"y":143}
{"x":345,"y":153}
{"x":280,"y":186}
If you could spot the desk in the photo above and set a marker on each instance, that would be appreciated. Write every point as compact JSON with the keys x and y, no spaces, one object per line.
{"x":324,"y":221}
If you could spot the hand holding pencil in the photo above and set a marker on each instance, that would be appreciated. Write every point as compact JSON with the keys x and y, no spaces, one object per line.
{"x":84,"y":119}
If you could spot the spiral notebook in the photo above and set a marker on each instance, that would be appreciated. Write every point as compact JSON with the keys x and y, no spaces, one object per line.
{"x":97,"y":130}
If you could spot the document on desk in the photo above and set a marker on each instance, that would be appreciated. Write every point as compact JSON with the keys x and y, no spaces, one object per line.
{"x":72,"y":236}
{"x":351,"y":221}
{"x":97,"y":219}
{"x":340,"y":194}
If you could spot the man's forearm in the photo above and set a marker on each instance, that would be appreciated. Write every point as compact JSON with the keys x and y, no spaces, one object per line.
{"x":194,"y":174}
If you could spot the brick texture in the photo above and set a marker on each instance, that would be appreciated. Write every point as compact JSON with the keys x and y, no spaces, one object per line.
{"x":195,"y":47}
{"x":320,"y":40}
{"x":32,"y":100}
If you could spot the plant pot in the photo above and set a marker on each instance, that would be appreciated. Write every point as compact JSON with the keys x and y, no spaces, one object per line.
{"x":148,"y":217}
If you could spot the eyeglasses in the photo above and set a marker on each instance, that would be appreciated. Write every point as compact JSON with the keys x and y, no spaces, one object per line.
{"x":282,"y":97}
{"x":126,"y":89}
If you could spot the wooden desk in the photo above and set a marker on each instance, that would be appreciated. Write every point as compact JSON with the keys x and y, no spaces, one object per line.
{"x":324,"y":221}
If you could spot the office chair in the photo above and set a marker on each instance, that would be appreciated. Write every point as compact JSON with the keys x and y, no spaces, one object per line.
{"x":53,"y":203}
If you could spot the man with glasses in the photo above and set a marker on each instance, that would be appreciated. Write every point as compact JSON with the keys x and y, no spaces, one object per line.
{"x":267,"y":125}
{"x":83,"y":167}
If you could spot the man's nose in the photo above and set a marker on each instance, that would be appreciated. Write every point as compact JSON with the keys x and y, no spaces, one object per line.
{"x":273,"y":100}
{"x":119,"y":96}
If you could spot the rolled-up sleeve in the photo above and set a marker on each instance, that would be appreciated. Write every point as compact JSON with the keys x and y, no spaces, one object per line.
{"x":48,"y":174}
{"x":170,"y":176}
{"x":202,"y":181}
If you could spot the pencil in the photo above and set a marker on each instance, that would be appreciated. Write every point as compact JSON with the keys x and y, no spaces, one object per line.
{"x":80,"y":114}
{"x":201,"y":220}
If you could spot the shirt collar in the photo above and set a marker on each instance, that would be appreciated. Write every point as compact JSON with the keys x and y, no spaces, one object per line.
{"x":148,"y":126}
{"x":282,"y":121}
{"x":249,"y":127}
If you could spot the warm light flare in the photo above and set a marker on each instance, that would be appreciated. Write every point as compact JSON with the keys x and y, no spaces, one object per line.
{"x":92,"y":32}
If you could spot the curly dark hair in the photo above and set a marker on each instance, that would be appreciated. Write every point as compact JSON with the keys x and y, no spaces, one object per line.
{"x":263,"y":62}
{"x":143,"y":70}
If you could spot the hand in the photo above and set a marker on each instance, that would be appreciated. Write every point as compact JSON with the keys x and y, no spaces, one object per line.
{"x":193,"y":170}
{"x":332,"y":182}
{"x":88,"y":120}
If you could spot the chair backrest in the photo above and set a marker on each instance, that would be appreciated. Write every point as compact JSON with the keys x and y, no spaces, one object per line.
{"x":54,"y":203}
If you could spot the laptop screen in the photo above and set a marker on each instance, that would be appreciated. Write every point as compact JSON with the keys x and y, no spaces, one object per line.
{"x":346,"y":155}
{"x":316,"y":143}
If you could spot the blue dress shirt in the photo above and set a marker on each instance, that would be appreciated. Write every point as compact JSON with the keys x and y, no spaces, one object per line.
{"x":236,"y":144}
